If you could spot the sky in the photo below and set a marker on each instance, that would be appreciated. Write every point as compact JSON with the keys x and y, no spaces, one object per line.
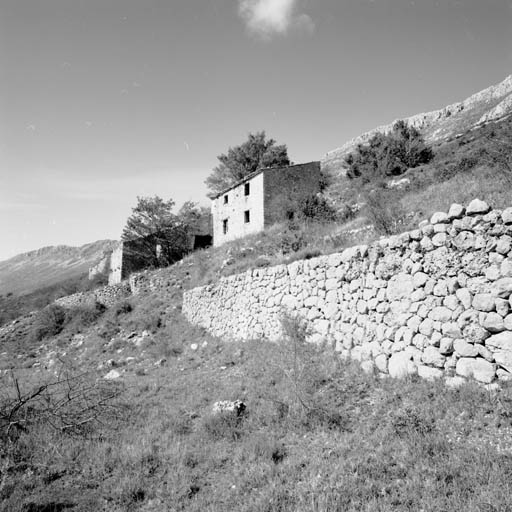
{"x":102,"y":101}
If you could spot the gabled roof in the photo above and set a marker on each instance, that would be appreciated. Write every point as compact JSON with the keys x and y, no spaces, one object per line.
{"x":256,"y":173}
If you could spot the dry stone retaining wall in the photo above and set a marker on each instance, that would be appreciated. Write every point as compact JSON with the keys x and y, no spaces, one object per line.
{"x":106,"y":295}
{"x":435,"y":301}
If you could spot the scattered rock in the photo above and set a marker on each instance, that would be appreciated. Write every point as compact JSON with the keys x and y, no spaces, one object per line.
{"x":112,"y":375}
{"x":236,"y":407}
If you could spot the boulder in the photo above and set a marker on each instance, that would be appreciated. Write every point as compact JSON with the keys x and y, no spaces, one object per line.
{"x":236,"y":407}
{"x":476,"y":207}
{"x":506,"y":216}
{"x":400,"y":286}
{"x":504,"y":359}
{"x":432,"y":356}
{"x":426,"y":372}
{"x":400,"y":365}
{"x":112,"y":375}
{"x":381,"y":362}
{"x":506,"y":268}
{"x":440,"y":314}
{"x":464,"y":241}
{"x":484,"y":302}
{"x":477,"y":368}
{"x":501,"y":341}
{"x":493,"y":322}
{"x":464,"y":295}
{"x":503,"y":287}
{"x":439,"y":218}
{"x":439,"y":239}
{"x":456,"y":211}
{"x":465,"y":349}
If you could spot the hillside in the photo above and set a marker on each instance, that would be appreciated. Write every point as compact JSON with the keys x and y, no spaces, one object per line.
{"x":488,"y":105}
{"x":117,"y":413}
{"x":48,"y":266}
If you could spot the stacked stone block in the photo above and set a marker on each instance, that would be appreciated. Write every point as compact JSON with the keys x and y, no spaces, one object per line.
{"x":435,"y":301}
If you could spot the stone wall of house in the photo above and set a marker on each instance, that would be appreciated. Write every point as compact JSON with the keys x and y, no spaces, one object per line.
{"x":287,"y":188}
{"x":116,"y":265}
{"x":231,"y":207}
{"x":435,"y":301}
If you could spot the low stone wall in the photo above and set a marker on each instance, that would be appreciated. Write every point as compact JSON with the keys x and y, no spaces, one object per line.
{"x":434,"y":301}
{"x":151,"y":280}
{"x":107,"y":295}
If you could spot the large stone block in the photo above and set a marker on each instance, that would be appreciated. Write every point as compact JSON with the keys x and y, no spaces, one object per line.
{"x":503,"y":287}
{"x":501,"y":341}
{"x":476,"y":368}
{"x":429,"y":373}
{"x":432,"y":356}
{"x":476,"y":207}
{"x":465,"y":349}
{"x":400,"y":365}
{"x":484,"y":302}
{"x":400,"y":287}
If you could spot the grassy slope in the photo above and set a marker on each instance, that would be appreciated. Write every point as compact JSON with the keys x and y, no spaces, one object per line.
{"x":13,"y":306}
{"x":461,"y":170}
{"x":317,"y":435}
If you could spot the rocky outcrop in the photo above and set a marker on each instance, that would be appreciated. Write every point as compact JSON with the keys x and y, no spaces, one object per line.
{"x":435,"y":301}
{"x":485,"y":106}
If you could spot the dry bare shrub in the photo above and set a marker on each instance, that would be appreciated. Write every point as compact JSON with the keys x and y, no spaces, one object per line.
{"x":71,"y":402}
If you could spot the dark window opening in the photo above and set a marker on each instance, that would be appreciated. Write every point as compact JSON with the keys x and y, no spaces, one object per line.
{"x":225,"y":226}
{"x":247,"y":189}
{"x":247,"y":216}
{"x":226,"y":199}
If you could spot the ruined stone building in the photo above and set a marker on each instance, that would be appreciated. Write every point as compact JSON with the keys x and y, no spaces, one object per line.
{"x":261,"y":199}
{"x":131,"y":256}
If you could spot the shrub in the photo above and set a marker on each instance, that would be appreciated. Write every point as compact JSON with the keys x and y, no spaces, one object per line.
{"x":317,"y":208}
{"x":384,"y":211}
{"x":79,"y":318}
{"x":48,"y":322}
{"x":389,"y":154}
{"x":70,"y":403}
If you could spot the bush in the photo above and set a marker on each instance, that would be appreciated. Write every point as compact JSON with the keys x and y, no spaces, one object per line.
{"x":71,"y":403}
{"x":389,"y":154}
{"x":384,"y":211}
{"x":79,"y":318}
{"x":48,"y":322}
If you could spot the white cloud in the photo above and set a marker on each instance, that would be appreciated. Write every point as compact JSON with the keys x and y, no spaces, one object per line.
{"x":265,"y":18}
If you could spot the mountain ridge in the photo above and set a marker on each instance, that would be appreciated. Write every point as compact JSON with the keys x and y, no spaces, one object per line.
{"x":487,"y":105}
{"x":49,"y":265}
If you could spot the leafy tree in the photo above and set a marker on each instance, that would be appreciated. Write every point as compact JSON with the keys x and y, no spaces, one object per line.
{"x":153,"y":235}
{"x":388,"y":154}
{"x":242,"y":160}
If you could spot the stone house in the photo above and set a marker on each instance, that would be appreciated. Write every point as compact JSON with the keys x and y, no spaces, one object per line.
{"x":265,"y":197}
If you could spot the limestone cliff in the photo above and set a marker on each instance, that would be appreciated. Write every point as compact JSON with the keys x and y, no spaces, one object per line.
{"x":488,"y":105}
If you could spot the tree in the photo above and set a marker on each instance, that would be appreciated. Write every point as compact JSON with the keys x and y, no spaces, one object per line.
{"x":153,"y":235}
{"x":242,"y":160}
{"x":388,"y":154}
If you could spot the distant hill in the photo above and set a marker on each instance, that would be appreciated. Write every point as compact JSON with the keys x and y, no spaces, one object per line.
{"x":48,"y":266}
{"x":489,"y":105}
